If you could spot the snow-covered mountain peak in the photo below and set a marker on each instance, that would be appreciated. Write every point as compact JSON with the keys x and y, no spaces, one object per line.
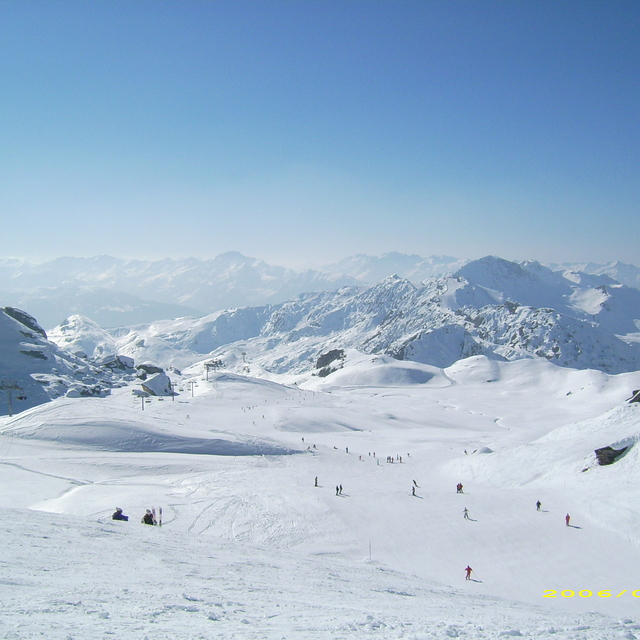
{"x":39,"y":370}
{"x":78,"y":334}
{"x":491,"y":270}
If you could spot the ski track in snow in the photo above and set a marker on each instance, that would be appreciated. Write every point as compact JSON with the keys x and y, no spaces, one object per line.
{"x":250,"y":548}
{"x":149,"y":584}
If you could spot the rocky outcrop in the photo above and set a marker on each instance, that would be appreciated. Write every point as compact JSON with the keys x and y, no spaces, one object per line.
{"x":329,"y":362}
{"x":144,"y":370}
{"x":608,"y":455}
{"x":27,"y":320}
{"x":41,"y":371}
{"x":158,"y":384}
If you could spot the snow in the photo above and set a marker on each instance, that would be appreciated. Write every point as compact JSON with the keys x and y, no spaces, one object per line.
{"x":250,"y":548}
{"x":34,"y":370}
{"x":489,"y":307}
{"x":588,"y":300}
{"x":158,"y":384}
{"x":80,"y":334}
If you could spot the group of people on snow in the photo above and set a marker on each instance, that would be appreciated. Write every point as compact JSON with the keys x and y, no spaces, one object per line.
{"x":148,"y":518}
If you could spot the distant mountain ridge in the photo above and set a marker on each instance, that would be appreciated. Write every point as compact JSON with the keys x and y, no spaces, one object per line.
{"x":416,"y":269}
{"x":114,"y":292}
{"x":503,"y":310}
{"x":623,"y":273}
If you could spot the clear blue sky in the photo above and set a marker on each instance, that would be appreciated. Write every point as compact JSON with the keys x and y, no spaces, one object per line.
{"x":303,"y":131}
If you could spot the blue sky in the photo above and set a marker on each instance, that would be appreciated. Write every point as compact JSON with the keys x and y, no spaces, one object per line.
{"x":304,"y":131}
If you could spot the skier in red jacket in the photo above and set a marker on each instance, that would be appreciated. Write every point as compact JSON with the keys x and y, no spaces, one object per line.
{"x":468,"y":570}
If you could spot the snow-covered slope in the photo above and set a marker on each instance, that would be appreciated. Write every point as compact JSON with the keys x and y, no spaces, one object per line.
{"x":78,"y":334}
{"x":34,"y":370}
{"x":260,"y":546}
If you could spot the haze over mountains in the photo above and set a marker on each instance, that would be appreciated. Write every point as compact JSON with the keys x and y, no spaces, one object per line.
{"x":507,"y":377}
{"x":491,"y":307}
{"x":114,"y":292}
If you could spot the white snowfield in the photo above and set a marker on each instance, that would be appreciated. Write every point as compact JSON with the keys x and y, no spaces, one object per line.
{"x":251,"y":548}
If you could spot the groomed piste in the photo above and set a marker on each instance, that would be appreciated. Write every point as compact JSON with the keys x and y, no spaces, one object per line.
{"x":251,"y":547}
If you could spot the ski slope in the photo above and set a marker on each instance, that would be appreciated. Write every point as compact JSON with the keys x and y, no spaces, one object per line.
{"x":250,"y":548}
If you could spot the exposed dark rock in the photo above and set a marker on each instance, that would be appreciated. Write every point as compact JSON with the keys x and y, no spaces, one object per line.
{"x":149,"y":369}
{"x":608,"y":455}
{"x":330,"y":362}
{"x":120,"y":363}
{"x":26,"y":319}
{"x":34,"y":354}
{"x":97,"y":391}
{"x":327,"y":358}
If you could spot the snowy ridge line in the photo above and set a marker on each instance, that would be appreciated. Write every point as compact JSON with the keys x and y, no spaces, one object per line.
{"x":491,"y":307}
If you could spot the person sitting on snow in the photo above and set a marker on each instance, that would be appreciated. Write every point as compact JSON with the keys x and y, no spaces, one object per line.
{"x":148,"y":518}
{"x":118,"y":515}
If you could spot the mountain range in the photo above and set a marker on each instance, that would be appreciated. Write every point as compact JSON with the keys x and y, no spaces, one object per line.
{"x":115,"y":292}
{"x":492,"y":307}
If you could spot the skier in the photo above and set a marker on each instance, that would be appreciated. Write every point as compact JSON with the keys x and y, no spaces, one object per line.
{"x":468,"y":570}
{"x":459,"y":488}
{"x":118,"y":515}
{"x":316,"y":482}
{"x":538,"y":505}
{"x":337,"y":490}
{"x":148,"y":518}
{"x":413,"y":491}
{"x":466,"y":513}
{"x":415,"y":483}
{"x":567,"y":519}
{"x":340,"y":489}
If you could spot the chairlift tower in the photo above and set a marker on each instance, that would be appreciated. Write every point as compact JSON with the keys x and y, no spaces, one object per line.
{"x":9,"y":387}
{"x":212,"y":364}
